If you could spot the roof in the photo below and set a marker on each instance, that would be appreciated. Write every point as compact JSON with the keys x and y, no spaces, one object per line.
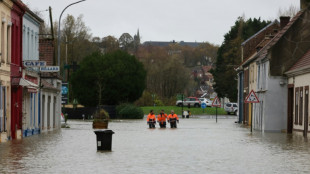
{"x":164,"y":43}
{"x":260,"y":31}
{"x":263,"y":52}
{"x":302,"y":64}
{"x":258,"y":40}
{"x":47,"y":85}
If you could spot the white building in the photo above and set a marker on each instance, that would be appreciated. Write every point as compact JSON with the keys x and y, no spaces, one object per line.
{"x":298,"y":95}
{"x":30,"y":79}
{"x":51,"y":103}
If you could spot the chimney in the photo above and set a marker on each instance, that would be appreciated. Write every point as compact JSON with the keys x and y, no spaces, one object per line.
{"x":304,"y":4}
{"x":284,"y":20}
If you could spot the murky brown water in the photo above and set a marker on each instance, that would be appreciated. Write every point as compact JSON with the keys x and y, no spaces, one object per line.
{"x":197,"y":146}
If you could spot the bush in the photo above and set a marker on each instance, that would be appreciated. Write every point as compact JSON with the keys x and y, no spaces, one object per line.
{"x":159,"y":102}
{"x":101,"y":115}
{"x":129,"y":111}
{"x":145,"y":99}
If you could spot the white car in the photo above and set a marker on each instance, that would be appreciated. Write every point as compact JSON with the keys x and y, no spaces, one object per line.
{"x":231,"y":108}
{"x":207,"y":101}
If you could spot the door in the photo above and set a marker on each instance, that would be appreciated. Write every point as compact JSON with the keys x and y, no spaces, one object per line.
{"x":306,"y":114}
{"x":290,"y":106}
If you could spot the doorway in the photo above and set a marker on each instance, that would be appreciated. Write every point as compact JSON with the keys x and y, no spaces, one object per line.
{"x":290,"y":106}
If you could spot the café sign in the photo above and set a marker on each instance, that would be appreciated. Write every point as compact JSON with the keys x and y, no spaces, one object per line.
{"x":34,"y":63}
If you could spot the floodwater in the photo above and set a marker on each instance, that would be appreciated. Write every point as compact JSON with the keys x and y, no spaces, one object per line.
{"x":198,"y":145}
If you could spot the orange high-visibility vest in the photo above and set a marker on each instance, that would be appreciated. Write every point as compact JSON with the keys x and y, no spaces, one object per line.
{"x":151,"y":116}
{"x":162,"y":117}
{"x":173,"y":116}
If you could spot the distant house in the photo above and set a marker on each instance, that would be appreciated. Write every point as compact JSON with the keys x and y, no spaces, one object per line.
{"x":165,"y":44}
{"x":298,"y":95}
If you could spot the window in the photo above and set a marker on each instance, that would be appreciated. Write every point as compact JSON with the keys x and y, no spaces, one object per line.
{"x":258,"y":80}
{"x":296,"y":104}
{"x":2,"y":41}
{"x":8,"y":44}
{"x":300,"y":105}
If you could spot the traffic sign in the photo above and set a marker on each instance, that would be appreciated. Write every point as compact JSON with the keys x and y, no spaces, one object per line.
{"x":203,"y":105}
{"x":216,"y":102}
{"x":251,"y":98}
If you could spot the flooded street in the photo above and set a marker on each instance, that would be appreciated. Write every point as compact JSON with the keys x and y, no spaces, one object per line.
{"x":198,"y":145}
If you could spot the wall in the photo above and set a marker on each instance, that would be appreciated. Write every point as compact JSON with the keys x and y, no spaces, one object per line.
{"x":270,"y":114}
{"x":30,"y":38}
{"x":46,"y":47}
{"x":5,"y":86}
{"x":51,"y":106}
{"x":300,"y":81}
{"x":276,"y":105}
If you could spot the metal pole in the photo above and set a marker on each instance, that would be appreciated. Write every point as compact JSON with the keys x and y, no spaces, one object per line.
{"x":216,"y":114}
{"x":58,"y":38}
{"x":251,"y":117}
{"x":182,"y":104}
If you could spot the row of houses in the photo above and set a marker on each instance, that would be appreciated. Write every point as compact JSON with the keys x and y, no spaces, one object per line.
{"x":29,"y":100}
{"x":276,"y":66}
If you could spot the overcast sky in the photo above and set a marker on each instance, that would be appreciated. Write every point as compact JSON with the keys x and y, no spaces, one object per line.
{"x":164,"y":20}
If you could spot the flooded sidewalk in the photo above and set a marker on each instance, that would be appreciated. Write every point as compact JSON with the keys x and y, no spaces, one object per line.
{"x":198,"y":145}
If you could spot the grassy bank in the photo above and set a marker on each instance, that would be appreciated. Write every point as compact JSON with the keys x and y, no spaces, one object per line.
{"x":178,"y":110}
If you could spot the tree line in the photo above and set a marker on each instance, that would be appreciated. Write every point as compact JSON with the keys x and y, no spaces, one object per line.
{"x":168,"y":69}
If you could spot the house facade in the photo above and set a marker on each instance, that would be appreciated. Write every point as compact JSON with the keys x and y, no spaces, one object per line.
{"x":247,"y":71}
{"x":17,"y":13}
{"x":273,"y":61}
{"x":298,"y":95}
{"x":31,"y":93}
{"x":5,"y":68}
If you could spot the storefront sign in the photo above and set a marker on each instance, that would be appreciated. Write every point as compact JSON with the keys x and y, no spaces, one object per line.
{"x":34,"y":63}
{"x":49,"y":69}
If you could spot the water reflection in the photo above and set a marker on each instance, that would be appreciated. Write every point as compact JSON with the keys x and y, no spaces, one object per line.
{"x":198,"y":145}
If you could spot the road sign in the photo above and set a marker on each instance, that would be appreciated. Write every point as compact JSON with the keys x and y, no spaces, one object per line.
{"x":49,"y":69}
{"x":216,"y":102}
{"x":34,"y":63}
{"x":251,"y":98}
{"x":203,"y":105}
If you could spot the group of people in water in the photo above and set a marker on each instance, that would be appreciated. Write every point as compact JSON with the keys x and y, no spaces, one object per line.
{"x":172,"y":118}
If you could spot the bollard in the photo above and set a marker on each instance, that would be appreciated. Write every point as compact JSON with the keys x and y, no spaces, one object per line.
{"x":104,"y":139}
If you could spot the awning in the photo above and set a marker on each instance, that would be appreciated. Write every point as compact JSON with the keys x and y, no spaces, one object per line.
{"x":32,"y":87}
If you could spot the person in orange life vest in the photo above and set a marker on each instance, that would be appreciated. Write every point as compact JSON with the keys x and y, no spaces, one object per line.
{"x":161,"y":118}
{"x":151,"y":119}
{"x":173,"y":119}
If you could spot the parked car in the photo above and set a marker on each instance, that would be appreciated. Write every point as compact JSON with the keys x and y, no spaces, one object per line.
{"x":231,"y":108}
{"x":62,"y":120}
{"x":192,"y":101}
{"x":207,"y":101}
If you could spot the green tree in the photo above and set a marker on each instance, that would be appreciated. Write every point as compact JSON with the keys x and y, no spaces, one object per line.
{"x":109,"y":79}
{"x":109,"y":44}
{"x":229,"y":53}
{"x":126,"y":42}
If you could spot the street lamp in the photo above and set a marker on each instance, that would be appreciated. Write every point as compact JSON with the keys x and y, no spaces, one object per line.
{"x":58,"y":41}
